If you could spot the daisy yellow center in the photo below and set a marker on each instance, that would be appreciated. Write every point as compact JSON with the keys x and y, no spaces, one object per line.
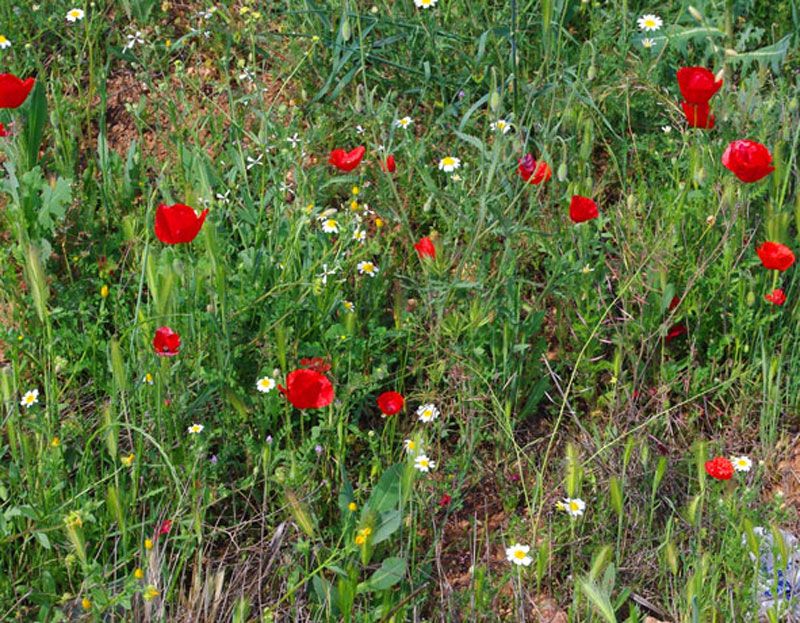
{"x":3,"y":40}
{"x":411,"y":445}
{"x":148,"y":377}
{"x":742,"y":463}
{"x":330,"y":223}
{"x":29,"y":399}
{"x":369,"y":267}
{"x":501,"y":125}
{"x":650,"y":23}
{"x":448,"y":162}
{"x":74,"y":13}
{"x":573,"y":506}
{"x":423,"y":463}
{"x":519,"y":554}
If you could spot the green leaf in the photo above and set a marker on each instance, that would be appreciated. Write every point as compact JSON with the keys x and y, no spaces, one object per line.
{"x":390,"y":523}
{"x":43,"y":539}
{"x":55,"y":198}
{"x":386,"y":493}
{"x":390,"y":573}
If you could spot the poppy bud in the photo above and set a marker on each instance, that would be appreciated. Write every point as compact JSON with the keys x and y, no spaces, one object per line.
{"x":695,"y":14}
{"x":561,"y":174}
{"x":750,"y":299}
{"x":345,"y":28}
{"x":592,"y":73}
{"x":494,"y":101}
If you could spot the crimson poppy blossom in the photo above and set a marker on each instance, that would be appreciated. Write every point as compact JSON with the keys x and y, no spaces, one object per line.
{"x":719,"y":468}
{"x":178,"y":223}
{"x":389,"y":165}
{"x":390,"y":403}
{"x":445,"y":500}
{"x":582,"y":209}
{"x":347,"y":160}
{"x":164,"y":528}
{"x":307,"y":389}
{"x":775,"y":256}
{"x":673,"y":303}
{"x":532,"y":171}
{"x":3,"y":131}
{"x":676,"y":331}
{"x":697,"y":84}
{"x":698,"y":115}
{"x":748,"y":160}
{"x":166,"y":342}
{"x":14,"y":91}
{"x":776,"y":297}
{"x":318,"y":364}
{"x":425,"y":248}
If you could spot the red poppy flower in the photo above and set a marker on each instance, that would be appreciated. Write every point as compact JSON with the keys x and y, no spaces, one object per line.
{"x":534,"y":172}
{"x":582,"y":209}
{"x":165,"y":527}
{"x":347,"y":160}
{"x":697,"y":84}
{"x":14,"y":91}
{"x":673,"y":303}
{"x":748,"y":160}
{"x":698,"y":115}
{"x":425,"y":248}
{"x":389,"y":166}
{"x":166,"y":342}
{"x":775,"y":256}
{"x":390,"y":403}
{"x":676,"y":331}
{"x":776,"y":297}
{"x":307,"y":389}
{"x":445,"y":500}
{"x":318,"y":364}
{"x":719,"y":468}
{"x":3,"y":131}
{"x":178,"y":223}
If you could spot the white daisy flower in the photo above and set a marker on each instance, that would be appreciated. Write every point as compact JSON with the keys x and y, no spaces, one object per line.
{"x":649,"y":22}
{"x":265,"y":384}
{"x":501,"y":125}
{"x":360,"y":129}
{"x":4,"y":42}
{"x":648,"y":43}
{"x":425,"y":4}
{"x":294,"y":140}
{"x":359,"y":235}
{"x":30,"y":398}
{"x":367,"y":268}
{"x":423,"y":463}
{"x":148,"y":379}
{"x":410,"y":446}
{"x":404,"y":122}
{"x":330,"y":226}
{"x":196,"y":429}
{"x":518,"y":554}
{"x":74,"y":15}
{"x":449,"y":164}
{"x":427,"y":413}
{"x":349,"y":306}
{"x":574,"y":507}
{"x":666,"y":129}
{"x":742,"y":463}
